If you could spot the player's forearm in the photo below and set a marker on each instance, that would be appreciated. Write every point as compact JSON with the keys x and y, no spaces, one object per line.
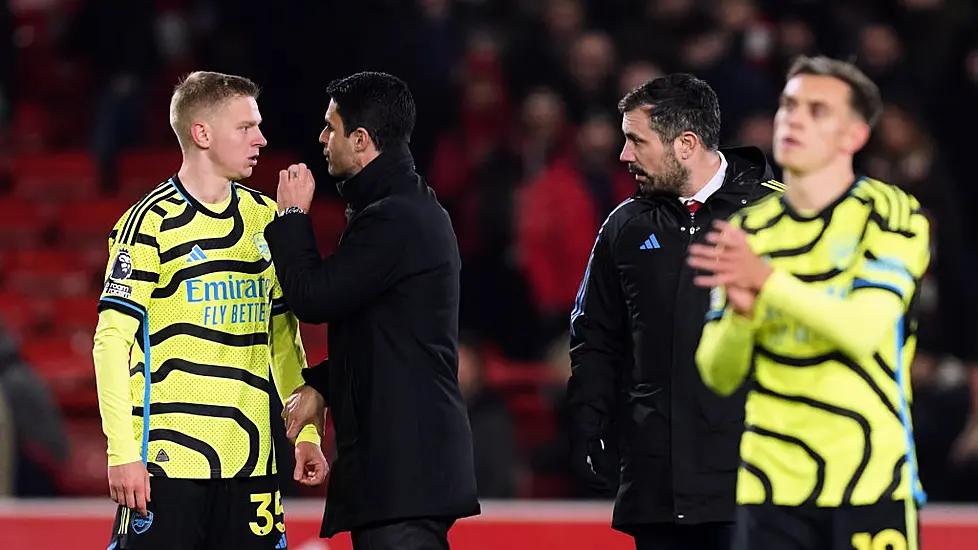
{"x":857,"y":324}
{"x":724,"y":353}
{"x":113,"y":339}
{"x":288,"y":360}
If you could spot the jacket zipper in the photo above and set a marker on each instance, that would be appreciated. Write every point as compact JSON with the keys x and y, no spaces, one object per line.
{"x":677,"y":319}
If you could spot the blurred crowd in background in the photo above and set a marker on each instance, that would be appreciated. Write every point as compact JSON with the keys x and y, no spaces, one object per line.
{"x":519,"y":135}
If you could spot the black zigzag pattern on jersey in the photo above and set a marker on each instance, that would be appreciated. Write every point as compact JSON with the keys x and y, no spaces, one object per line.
{"x":891,"y":489}
{"x":804,"y":249}
{"x":158,"y":210}
{"x":138,"y":213}
{"x":144,"y":276}
{"x":176,"y":200}
{"x":257,"y":195}
{"x":890,"y":371}
{"x":229,"y":240}
{"x":211,"y":335}
{"x":819,"y":461}
{"x":179,"y":220}
{"x":192,"y":443}
{"x":155,"y":470}
{"x":213,"y":371}
{"x":832,"y":409}
{"x":141,"y":238}
{"x":838,"y":357}
{"x":215,"y":411}
{"x":899,"y":207}
{"x":204,"y":268}
{"x":816,"y":277}
{"x":762,"y":477}
{"x":766,"y":225}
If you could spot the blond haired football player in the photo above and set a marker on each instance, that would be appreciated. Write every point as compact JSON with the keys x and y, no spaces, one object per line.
{"x":191,"y":291}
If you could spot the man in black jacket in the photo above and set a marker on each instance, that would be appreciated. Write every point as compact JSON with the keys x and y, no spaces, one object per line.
{"x":638,"y":318}
{"x":404,"y":469}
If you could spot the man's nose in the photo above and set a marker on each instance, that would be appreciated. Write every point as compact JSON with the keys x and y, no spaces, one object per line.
{"x":626,"y":154}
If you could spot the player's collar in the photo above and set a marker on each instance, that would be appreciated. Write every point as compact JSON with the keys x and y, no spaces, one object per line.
{"x":378,"y":178}
{"x":199,"y":207}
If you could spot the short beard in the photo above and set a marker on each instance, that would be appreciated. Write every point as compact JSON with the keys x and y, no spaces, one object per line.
{"x":672,"y":181}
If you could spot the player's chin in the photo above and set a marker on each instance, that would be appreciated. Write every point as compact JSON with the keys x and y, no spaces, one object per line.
{"x":245,"y":172}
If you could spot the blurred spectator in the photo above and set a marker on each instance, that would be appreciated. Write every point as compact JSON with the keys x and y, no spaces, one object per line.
{"x":40,"y":444}
{"x":635,"y":73}
{"x":493,"y":432}
{"x":482,"y":125}
{"x":551,"y":457}
{"x":124,"y":57}
{"x":495,"y":297}
{"x":881,"y":57}
{"x":540,"y":49}
{"x":559,"y":212}
{"x":589,"y":83}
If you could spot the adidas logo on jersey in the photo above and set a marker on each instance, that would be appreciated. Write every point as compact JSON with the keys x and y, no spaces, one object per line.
{"x":196,"y":254}
{"x":162,"y":456}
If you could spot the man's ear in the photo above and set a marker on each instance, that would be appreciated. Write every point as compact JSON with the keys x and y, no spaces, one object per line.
{"x":856,"y":138}
{"x":200,"y":133}
{"x":361,"y":140}
{"x":685,"y":145}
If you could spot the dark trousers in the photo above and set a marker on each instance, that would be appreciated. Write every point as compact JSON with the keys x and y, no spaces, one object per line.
{"x":669,"y":536}
{"x":415,"y":534}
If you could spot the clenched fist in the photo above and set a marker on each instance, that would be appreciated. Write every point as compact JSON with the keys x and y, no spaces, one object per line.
{"x":296,"y":187}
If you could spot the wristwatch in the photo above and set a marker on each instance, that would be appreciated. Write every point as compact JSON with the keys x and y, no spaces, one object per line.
{"x":292,"y":210}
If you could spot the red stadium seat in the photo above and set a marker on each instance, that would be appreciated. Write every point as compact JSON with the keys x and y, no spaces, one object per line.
{"x":55,"y":177}
{"x":506,"y":374}
{"x":84,"y":473}
{"x":534,"y":418}
{"x":140,"y":170}
{"x":87,"y":224}
{"x":23,"y":223}
{"x":19,"y":314}
{"x":52,"y":273}
{"x":67,"y":367}
{"x":73,"y":316}
{"x":30,"y":128}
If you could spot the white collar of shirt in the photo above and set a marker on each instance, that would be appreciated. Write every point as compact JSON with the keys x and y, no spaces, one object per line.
{"x":711,"y":186}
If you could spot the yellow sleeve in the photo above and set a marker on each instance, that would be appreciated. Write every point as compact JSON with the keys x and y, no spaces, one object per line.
{"x":130,"y":277}
{"x":288,"y":358}
{"x":726,"y":345}
{"x":114,"y":337}
{"x":884,"y":284}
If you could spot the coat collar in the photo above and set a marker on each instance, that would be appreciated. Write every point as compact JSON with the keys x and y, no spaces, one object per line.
{"x":379,"y":178}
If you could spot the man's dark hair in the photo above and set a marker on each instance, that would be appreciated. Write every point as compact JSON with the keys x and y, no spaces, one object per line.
{"x":377,"y":102}
{"x":678,"y":103}
{"x":864,"y":96}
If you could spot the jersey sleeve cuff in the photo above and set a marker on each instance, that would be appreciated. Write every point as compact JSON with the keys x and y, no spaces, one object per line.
{"x":861,"y":283}
{"x":308,"y":434}
{"x":279,"y":306}
{"x":122,"y":305}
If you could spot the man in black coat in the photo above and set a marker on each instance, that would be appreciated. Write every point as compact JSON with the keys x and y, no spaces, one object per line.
{"x":637,"y":322}
{"x":404,"y":470}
